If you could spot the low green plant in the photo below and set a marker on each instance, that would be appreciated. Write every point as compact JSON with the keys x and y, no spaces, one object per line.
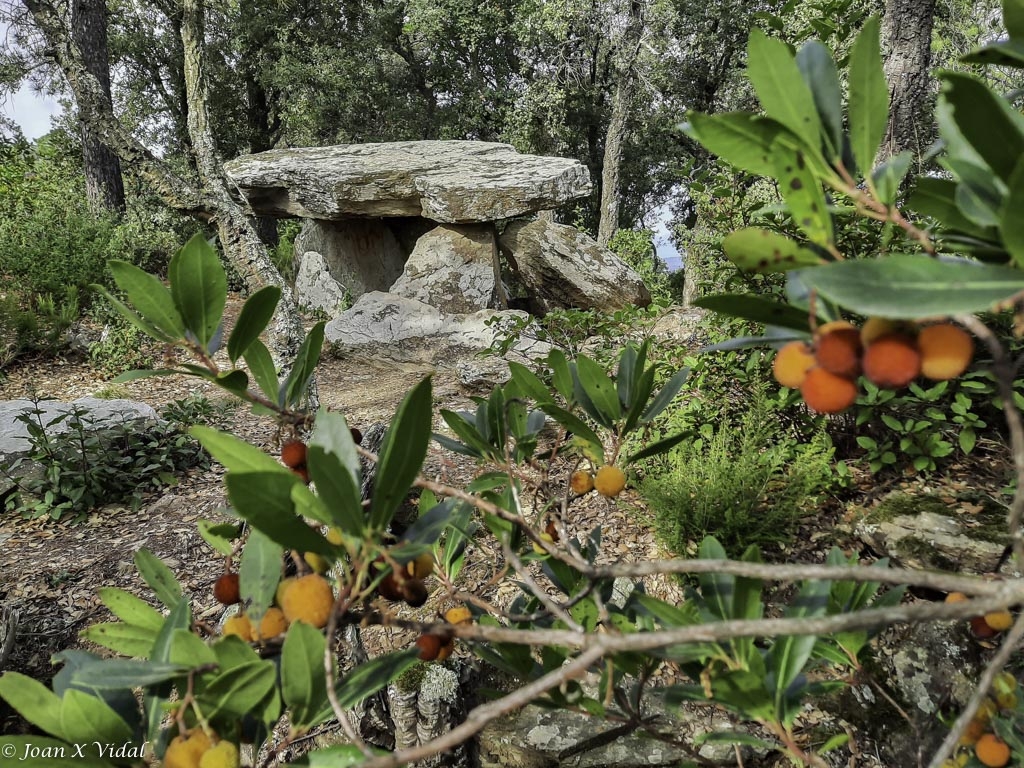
{"x":742,"y":480}
{"x":636,"y":248}
{"x":121,"y":346}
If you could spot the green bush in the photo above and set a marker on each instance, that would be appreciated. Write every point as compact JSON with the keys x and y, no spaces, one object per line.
{"x":121,"y":347}
{"x":636,"y":248}
{"x":743,"y":481}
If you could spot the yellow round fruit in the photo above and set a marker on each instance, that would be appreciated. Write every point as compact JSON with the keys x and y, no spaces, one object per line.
{"x":238,"y":625}
{"x":221,"y":755}
{"x":282,"y":587}
{"x":186,"y":751}
{"x":308,"y":599}
{"x":334,"y":536}
{"x":1000,"y":621}
{"x":876,"y":328}
{"x":609,"y":481}
{"x":1004,"y":688}
{"x":318,"y":563}
{"x":992,"y":751}
{"x":946,"y":351}
{"x":272,"y":624}
{"x":956,"y":597}
{"x":458,"y":615}
{"x":792,"y":362}
{"x":581,"y":482}
{"x":544,"y":537}
{"x":421,"y":567}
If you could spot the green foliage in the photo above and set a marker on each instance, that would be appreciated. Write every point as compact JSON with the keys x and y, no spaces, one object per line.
{"x":636,"y":248}
{"x":34,"y":324}
{"x":742,"y":479}
{"x":91,"y":464}
{"x":121,"y":346}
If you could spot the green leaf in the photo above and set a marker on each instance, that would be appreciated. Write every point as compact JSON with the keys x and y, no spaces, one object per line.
{"x":199,"y":287}
{"x":402,"y":453}
{"x":800,"y":188}
{"x":304,"y":366}
{"x":658,"y":447}
{"x":789,"y":654}
{"x":764,"y":251}
{"x":782,"y":91}
{"x":259,"y":573}
{"x":740,"y":138}
{"x":303,"y":677}
{"x":51,"y":753}
{"x":188,"y":652}
{"x":149,"y":297}
{"x":366,"y":679}
{"x":252,"y":320}
{"x":936,"y":198}
{"x":911,"y":286}
{"x":758,"y":309}
{"x":33,"y":701}
{"x":889,"y":175}
{"x":561,"y":374}
{"x":1005,"y":53}
{"x":869,"y":97}
{"x":1011,"y":222}
{"x":737,"y":738}
{"x":261,"y":366}
{"x":88,"y":719}
{"x":333,"y":434}
{"x":236,"y":382}
{"x":529,"y":383}
{"x":133,"y":317}
{"x":220,"y":536}
{"x":665,"y":396}
{"x":717,"y":588}
{"x":180,"y":617}
{"x":986,"y":121}
{"x":600,"y":389}
{"x":131,"y":609}
{"x":159,"y":577}
{"x":126,"y":639}
{"x":265,"y":500}
{"x":235,"y":454}
{"x":1013,"y":18}
{"x":237,"y":691}
{"x":820,"y":73}
{"x":340,"y":496}
{"x":232,"y":651}
{"x":578,"y":427}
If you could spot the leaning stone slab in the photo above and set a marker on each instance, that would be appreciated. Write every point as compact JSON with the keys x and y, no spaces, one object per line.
{"x":447,"y":181}
{"x":314,"y":286}
{"x":14,"y":435}
{"x":562,"y":267}
{"x":360,"y":255}
{"x":451,"y":268}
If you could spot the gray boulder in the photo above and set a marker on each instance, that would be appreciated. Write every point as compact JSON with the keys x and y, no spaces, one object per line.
{"x":563,"y":267}
{"x":14,"y":435}
{"x":360,"y":255}
{"x":314,"y":285}
{"x":452,"y":268}
{"x":446,"y":181}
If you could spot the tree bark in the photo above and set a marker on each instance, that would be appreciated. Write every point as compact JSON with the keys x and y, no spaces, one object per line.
{"x":906,"y":47}
{"x":104,"y":185}
{"x":618,"y":125}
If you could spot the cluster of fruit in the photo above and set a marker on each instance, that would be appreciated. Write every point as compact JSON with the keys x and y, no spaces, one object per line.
{"x":979,"y":738}
{"x":989,"y":625}
{"x":438,"y":647}
{"x":889,"y":353}
{"x":609,"y":481}
{"x":196,"y":749}
{"x":406,"y":584}
{"x":306,"y":598}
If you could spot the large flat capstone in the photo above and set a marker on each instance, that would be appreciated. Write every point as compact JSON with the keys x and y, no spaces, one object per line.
{"x":451,"y":182}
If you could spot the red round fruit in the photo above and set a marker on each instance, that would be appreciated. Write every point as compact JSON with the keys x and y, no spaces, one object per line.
{"x":892,"y":361}
{"x":430,"y":646}
{"x":226,"y":590}
{"x":293,"y":454}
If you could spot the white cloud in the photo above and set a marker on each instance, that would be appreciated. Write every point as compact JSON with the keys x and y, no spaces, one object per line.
{"x":31,"y":111}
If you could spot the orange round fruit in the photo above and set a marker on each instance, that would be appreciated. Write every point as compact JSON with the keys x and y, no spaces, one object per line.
{"x":609,"y":481}
{"x":413,"y":592}
{"x":186,"y":751}
{"x":974,"y":731}
{"x":293,"y":454}
{"x":892,"y":361}
{"x":226,"y":590}
{"x":581,"y":482}
{"x":271,"y":625}
{"x":992,"y":751}
{"x":458,"y":615}
{"x":238,"y":625}
{"x":956,"y":597}
{"x":791,"y":364}
{"x":826,"y":392}
{"x":309,"y":599}
{"x":838,"y":351}
{"x":430,"y":646}
{"x":421,"y":567}
{"x":446,"y":650}
{"x":1000,"y":621}
{"x":946,"y":351}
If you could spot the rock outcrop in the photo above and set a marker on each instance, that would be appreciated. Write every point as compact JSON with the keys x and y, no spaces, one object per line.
{"x":452,"y":267}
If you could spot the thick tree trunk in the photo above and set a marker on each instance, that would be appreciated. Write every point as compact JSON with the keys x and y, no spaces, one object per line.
{"x":618,"y":125}
{"x":906,"y":46}
{"x":103,"y":182}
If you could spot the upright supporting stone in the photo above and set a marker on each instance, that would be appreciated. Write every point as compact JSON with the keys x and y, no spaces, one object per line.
{"x":362,"y":255}
{"x":452,"y":267}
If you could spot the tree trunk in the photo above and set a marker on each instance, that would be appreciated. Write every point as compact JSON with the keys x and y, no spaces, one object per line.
{"x":618,"y":125}
{"x":906,"y":46}
{"x":104,"y":185}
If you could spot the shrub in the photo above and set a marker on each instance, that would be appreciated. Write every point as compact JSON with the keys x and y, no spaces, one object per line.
{"x":636,"y":248}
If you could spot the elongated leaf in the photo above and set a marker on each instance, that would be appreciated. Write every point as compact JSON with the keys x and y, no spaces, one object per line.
{"x":1013,"y":18}
{"x":131,"y":609}
{"x":718,"y":589}
{"x":740,"y":138}
{"x":431,"y":524}
{"x":149,"y":297}
{"x":1005,"y":53}
{"x":233,"y":381}
{"x":132,"y":316}
{"x":888,"y":176}
{"x":305,"y":364}
{"x":561,"y":374}
{"x":121,"y":700}
{"x":261,"y":366}
{"x":159,"y":577}
{"x":1011,"y":222}
{"x":761,"y":250}
{"x":125,"y":639}
{"x":237,"y":691}
{"x":988,"y":122}
{"x":252,"y":320}
{"x":199,"y":287}
{"x":913,"y":286}
{"x":466,"y":431}
{"x":264,"y":499}
{"x":40,"y":752}
{"x":869,"y":97}
{"x":800,"y":188}
{"x":789,"y":654}
{"x":341,"y":497}
{"x":626,"y":376}
{"x":578,"y":427}
{"x":658,"y":447}
{"x":736,"y":738}
{"x":820,"y":73}
{"x":89,"y":720}
{"x":235,"y":454}
{"x":529,"y":383}
{"x":188,"y":651}
{"x":641,"y":393}
{"x":758,"y":309}
{"x":303,"y":678}
{"x":333,"y":434}
{"x":33,"y":701}
{"x":783,"y":93}
{"x":366,"y":679}
{"x":599,"y":388}
{"x":220,"y":536}
{"x":259,"y":573}
{"x":402,"y":453}
{"x":937,"y":198}
{"x":665,"y":396}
